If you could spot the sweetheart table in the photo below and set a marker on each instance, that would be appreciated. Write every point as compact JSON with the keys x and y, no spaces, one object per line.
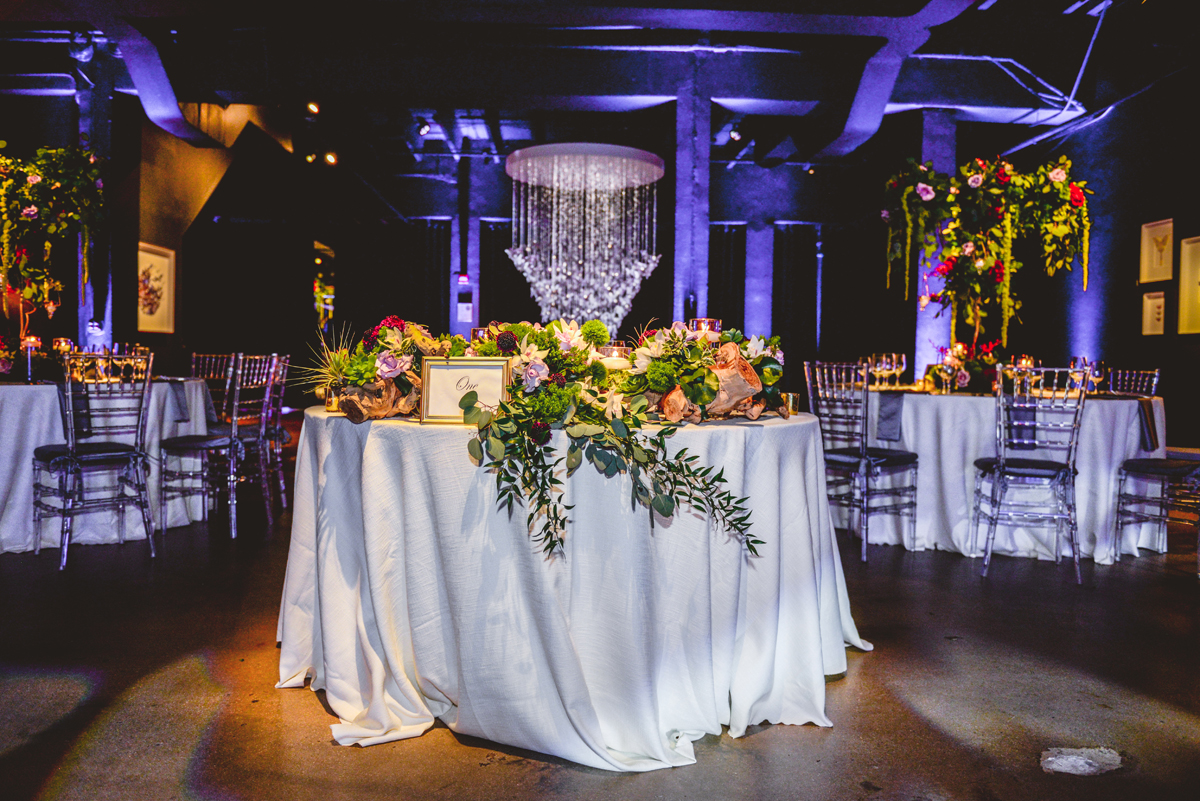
{"x":410,"y":597}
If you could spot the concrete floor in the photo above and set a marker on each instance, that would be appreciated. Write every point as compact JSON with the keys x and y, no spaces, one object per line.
{"x":126,"y":679}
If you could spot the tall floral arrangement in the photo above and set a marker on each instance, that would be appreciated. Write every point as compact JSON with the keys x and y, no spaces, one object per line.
{"x":966,"y":225}
{"x":57,"y":193}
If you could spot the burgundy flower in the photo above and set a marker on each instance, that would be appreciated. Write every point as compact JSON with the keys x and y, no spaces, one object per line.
{"x":1077,"y":196}
{"x":507,"y":342}
{"x":647,"y":334}
{"x":998,"y":272}
{"x":391,"y":321}
{"x":1002,"y":176}
{"x":997,"y":213}
{"x":539,"y":432}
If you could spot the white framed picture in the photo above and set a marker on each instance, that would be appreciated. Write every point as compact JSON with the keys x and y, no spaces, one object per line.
{"x":156,"y":289}
{"x":1189,"y":286}
{"x":1154,"y":307}
{"x":445,"y":380}
{"x":1157,"y":252}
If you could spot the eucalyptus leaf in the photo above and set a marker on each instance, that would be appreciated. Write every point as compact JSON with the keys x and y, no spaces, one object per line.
{"x":468,"y":400}
{"x":574,"y":458}
{"x":475,"y":449}
{"x":619,"y":428}
{"x":471,"y":416}
{"x":485,"y":419}
{"x":664,"y":505}
{"x":495,"y":448}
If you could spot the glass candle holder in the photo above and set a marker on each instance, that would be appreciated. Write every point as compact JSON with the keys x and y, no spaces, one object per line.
{"x":31,"y":343}
{"x":481,"y":333}
{"x":709,"y":326}
{"x":63,"y":345}
{"x":615,"y":350}
{"x":615,"y":357}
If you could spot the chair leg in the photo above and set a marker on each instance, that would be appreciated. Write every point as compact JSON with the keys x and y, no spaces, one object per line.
{"x":974,"y":532}
{"x":277,"y":466}
{"x":1073,"y":528}
{"x":67,"y":484}
{"x":864,"y":513}
{"x":1165,"y":510}
{"x":1120,"y":506}
{"x":233,"y":481}
{"x":143,"y":502}
{"x":999,"y":487}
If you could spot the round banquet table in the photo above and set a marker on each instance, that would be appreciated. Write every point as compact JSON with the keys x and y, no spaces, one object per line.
{"x":410,"y":597}
{"x":31,"y":417}
{"x":949,"y":432}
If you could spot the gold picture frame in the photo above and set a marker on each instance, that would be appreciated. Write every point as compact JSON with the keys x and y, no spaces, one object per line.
{"x":156,"y":289}
{"x":444,"y":380}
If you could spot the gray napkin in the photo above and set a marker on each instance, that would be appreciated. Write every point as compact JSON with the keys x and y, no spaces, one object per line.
{"x":891,"y":408}
{"x":177,"y":409}
{"x":1149,"y":428}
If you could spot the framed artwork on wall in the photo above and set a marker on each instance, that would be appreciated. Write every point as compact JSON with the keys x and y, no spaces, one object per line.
{"x":1153,"y":311}
{"x":1189,"y":286}
{"x":156,"y":289}
{"x":1157,"y":251}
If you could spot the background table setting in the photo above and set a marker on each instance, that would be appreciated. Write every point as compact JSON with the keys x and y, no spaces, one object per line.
{"x":32,"y":418}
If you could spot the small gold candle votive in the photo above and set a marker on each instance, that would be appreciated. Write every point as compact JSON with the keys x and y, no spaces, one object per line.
{"x":331,"y":399}
{"x":615,"y":357}
{"x":31,"y":343}
{"x":709,"y":326}
{"x":481,"y":333}
{"x":63,"y":345}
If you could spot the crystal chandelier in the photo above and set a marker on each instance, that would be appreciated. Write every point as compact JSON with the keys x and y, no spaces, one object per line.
{"x":584,"y":219}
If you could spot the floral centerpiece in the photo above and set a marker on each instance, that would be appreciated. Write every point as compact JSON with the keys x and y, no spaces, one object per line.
{"x":619,"y":419}
{"x":966,"y":367}
{"x":6,"y":356}
{"x":56,"y":194}
{"x":965,"y":225}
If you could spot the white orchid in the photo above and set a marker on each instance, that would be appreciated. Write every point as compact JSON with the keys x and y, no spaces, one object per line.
{"x":613,"y":405}
{"x":529,"y":352}
{"x":569,"y":337}
{"x":754,"y":347}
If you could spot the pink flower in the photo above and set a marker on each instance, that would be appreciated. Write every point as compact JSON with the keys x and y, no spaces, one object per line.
{"x":34,"y":179}
{"x":975,"y":181}
{"x":968,"y":248}
{"x":1057,"y":175}
{"x":29,"y":212}
{"x":5,"y":365}
{"x":99,"y":183}
{"x":884,"y":214}
{"x":925,"y":191}
{"x":962,"y":378}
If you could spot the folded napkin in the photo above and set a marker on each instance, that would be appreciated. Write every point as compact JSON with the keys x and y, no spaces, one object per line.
{"x":1149,"y":428}
{"x":891,"y":408}
{"x":177,"y":408}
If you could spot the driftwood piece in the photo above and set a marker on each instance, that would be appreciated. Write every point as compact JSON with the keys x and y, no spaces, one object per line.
{"x":379,"y":400}
{"x":737,"y":379}
{"x":677,"y":407}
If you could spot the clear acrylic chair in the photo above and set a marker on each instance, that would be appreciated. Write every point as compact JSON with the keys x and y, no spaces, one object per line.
{"x":838,"y":393}
{"x":217,"y":371}
{"x":225,"y":452}
{"x":278,"y":436}
{"x":1038,"y":411}
{"x":1143,"y":383}
{"x":103,"y":463}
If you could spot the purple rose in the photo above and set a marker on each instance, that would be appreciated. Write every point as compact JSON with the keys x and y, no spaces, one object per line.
{"x":387,"y":365}
{"x":5,"y":365}
{"x":534,"y":374}
{"x":99,"y":184}
{"x":885,"y":215}
{"x":925,"y":191}
{"x":975,"y":181}
{"x":962,"y":379}
{"x":30,"y":212}
{"x":1057,"y":175}
{"x":34,"y":179}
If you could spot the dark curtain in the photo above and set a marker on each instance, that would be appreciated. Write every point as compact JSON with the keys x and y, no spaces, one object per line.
{"x":504,"y":294}
{"x":435,"y":256}
{"x":794,"y":300}
{"x":727,"y":274}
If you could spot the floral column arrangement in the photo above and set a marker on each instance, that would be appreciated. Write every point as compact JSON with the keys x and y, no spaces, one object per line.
{"x":965,"y":225}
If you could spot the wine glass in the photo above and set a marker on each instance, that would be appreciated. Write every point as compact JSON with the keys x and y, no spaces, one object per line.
{"x":882,"y":366}
{"x":899,"y":365}
{"x":1096,"y":374}
{"x":947,"y":373}
{"x":1079,"y":362}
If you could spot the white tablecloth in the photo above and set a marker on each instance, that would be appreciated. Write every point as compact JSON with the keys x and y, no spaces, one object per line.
{"x":30,"y":418}
{"x":408,"y":596}
{"x":949,"y":432}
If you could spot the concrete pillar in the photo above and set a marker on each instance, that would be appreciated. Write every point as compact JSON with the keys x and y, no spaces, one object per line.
{"x":760,"y":276}
{"x":693,"y":134}
{"x":938,"y":144}
{"x":94,"y":301}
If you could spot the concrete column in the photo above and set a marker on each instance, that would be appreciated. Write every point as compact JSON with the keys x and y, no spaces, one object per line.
{"x":938,"y":144}
{"x":760,"y":276}
{"x":693,"y":134}
{"x":94,"y":301}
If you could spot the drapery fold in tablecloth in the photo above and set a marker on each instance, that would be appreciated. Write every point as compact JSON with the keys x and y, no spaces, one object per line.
{"x":409,"y":596}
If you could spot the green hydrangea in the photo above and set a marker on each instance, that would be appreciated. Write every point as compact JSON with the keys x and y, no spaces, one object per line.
{"x":486,"y":347}
{"x":599,"y":374}
{"x":595,"y":333}
{"x":520,"y":330}
{"x":661,"y":377}
{"x":549,"y":403}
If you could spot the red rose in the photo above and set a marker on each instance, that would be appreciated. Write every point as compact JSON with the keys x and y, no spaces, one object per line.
{"x":1077,"y":196}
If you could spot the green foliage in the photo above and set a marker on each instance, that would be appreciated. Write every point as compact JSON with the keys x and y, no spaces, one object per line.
{"x":595,"y":333}
{"x":361,"y":367}
{"x":549,"y":403}
{"x":485,"y":347}
{"x":661,"y":376}
{"x":599,"y":374}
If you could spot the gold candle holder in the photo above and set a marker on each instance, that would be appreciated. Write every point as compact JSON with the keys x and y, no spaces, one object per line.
{"x":481,"y":333}
{"x":709,"y":326}
{"x":63,"y":345}
{"x":31,"y":343}
{"x":331,"y":399}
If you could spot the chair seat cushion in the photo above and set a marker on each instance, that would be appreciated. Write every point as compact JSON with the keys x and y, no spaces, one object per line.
{"x":245,"y":430}
{"x":844,"y":458}
{"x":195,"y":442}
{"x":1170,"y":468}
{"x":1025,"y":468}
{"x":88,"y":452}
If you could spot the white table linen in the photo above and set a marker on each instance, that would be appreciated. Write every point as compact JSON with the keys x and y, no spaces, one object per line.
{"x":31,"y":418}
{"x":949,"y":432}
{"x":409,"y":596}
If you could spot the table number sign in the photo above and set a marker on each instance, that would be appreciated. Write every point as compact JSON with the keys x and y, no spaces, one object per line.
{"x":445,"y":380}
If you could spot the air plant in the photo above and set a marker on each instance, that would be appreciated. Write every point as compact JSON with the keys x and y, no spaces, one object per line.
{"x":333,"y":357}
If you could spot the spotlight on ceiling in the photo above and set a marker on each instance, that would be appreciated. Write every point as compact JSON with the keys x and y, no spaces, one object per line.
{"x":317,"y":260}
{"x":735,"y":134}
{"x":812,"y":170}
{"x":314,"y":107}
{"x":331,"y":158}
{"x":422,"y":126}
{"x":310,"y":158}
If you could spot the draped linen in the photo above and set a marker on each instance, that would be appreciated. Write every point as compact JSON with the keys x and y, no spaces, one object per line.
{"x":409,"y":596}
